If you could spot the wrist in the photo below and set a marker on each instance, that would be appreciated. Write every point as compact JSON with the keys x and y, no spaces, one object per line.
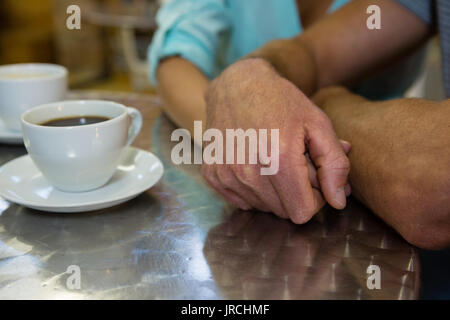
{"x":254,"y":65}
{"x":337,"y":97}
{"x":293,"y":60}
{"x":248,"y":73}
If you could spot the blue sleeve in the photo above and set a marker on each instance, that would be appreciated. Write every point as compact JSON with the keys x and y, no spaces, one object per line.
{"x":191,"y":29}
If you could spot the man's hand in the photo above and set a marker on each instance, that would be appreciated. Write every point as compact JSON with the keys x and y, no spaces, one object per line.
{"x":250,"y":94}
{"x":400,"y":164}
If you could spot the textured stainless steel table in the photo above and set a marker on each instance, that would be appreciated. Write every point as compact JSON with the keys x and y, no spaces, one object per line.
{"x":180,"y":240}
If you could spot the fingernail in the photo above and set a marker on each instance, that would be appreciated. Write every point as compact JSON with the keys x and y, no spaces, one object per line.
{"x":347,"y":146}
{"x":340,"y":198}
{"x":348,"y":190}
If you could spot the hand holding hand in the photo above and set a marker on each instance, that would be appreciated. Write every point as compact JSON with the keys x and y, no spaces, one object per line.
{"x":250,"y":94}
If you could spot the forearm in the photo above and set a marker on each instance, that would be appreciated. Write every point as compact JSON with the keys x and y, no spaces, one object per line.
{"x":293,"y":60}
{"x":400,"y":161}
{"x":340,"y":49}
{"x":181,"y":86}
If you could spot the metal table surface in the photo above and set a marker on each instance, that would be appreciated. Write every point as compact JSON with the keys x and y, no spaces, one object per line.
{"x":180,"y":240}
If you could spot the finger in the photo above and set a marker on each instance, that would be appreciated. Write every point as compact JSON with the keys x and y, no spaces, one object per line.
{"x":328,"y":93}
{"x":319,"y":200}
{"x":346,"y":145}
{"x":294,"y":189}
{"x":233,"y":198}
{"x":211,"y":177}
{"x":331,"y":162}
{"x":228,"y":180}
{"x":348,"y":190}
{"x":260,"y":186}
{"x":312,"y":172}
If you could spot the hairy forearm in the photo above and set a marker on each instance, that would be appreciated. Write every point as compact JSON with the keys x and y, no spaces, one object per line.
{"x":293,"y":60}
{"x":400,"y":160}
{"x":340,"y":49}
{"x":181,"y":86}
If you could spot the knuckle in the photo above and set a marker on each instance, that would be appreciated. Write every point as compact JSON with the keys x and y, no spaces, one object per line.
{"x":249,"y":176}
{"x":325,"y":121}
{"x":277,"y":208}
{"x":337,"y":161}
{"x":304,"y":213}
{"x":283,"y":155}
{"x":211,"y":182}
{"x":321,"y":122}
{"x":342,"y":160}
{"x":300,"y":217}
{"x":243,"y":174}
{"x":206,"y":172}
{"x":225,"y":178}
{"x":208,"y":176}
{"x":342,"y":163}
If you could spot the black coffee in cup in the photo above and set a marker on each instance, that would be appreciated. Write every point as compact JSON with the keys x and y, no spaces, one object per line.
{"x":74,"y":121}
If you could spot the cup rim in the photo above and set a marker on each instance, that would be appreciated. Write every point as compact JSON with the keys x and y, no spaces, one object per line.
{"x":58,"y":72}
{"x":98,"y":124}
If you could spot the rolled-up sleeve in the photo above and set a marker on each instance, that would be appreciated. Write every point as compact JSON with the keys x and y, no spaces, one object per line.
{"x":191,"y":29}
{"x":421,"y":8}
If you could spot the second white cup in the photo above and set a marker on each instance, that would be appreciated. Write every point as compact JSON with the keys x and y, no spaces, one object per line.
{"x":79,"y":158}
{"x":26,"y":85}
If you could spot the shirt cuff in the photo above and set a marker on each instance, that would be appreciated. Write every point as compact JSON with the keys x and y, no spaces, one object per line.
{"x":184,"y":45}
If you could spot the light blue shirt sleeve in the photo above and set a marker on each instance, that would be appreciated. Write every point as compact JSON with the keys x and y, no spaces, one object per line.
{"x":215,"y":33}
{"x":192,"y":29}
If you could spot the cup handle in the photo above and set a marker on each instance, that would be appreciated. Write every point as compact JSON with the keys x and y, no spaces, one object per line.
{"x":135,"y":125}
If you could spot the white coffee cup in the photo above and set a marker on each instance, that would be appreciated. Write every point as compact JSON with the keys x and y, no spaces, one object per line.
{"x":23,"y":86}
{"x":84,"y":157}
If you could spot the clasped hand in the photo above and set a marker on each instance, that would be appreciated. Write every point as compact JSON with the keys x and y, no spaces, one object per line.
{"x":313,"y":166}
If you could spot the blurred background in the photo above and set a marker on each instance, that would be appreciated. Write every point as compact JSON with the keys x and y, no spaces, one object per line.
{"x":109,"y":52}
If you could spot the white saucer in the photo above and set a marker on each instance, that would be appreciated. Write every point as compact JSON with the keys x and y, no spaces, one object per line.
{"x":22,"y":183}
{"x":9,"y":137}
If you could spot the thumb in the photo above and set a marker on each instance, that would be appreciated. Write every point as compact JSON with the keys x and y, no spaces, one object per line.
{"x":333,"y":166}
